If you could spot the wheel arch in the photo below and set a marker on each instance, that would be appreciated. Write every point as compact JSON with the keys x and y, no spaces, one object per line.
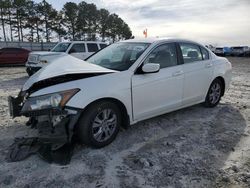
{"x":223,"y":83}
{"x":122,"y":107}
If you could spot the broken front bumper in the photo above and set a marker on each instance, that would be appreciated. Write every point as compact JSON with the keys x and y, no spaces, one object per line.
{"x":15,"y":106}
{"x":55,"y":125}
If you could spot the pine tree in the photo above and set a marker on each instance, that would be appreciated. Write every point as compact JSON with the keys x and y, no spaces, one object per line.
{"x":70,"y":16}
{"x":3,"y":7}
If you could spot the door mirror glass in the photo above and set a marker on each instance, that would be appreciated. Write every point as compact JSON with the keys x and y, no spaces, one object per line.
{"x":151,"y":68}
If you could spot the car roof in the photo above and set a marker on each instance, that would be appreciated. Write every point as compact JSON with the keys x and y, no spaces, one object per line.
{"x":159,"y":40}
{"x":83,"y":42}
{"x":10,"y":48}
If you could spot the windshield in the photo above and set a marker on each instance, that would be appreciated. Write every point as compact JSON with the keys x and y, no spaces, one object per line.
{"x":61,"y":47}
{"x":118,"y":56}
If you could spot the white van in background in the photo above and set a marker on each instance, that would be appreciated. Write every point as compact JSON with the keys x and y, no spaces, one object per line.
{"x":78,"y":49}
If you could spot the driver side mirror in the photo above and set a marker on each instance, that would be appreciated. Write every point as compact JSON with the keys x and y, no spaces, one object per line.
{"x":151,"y":68}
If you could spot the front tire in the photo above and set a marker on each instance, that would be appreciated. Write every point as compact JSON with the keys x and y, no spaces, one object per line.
{"x":99,"y":124}
{"x":214,"y":93}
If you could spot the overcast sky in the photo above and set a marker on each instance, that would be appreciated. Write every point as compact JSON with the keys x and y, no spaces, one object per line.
{"x":222,"y":22}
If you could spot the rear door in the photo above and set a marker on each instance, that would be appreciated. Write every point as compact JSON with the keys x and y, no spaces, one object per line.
{"x":198,"y":71}
{"x":78,"y":50}
{"x":157,"y":93}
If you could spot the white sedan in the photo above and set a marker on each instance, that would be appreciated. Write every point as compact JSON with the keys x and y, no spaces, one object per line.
{"x":120,"y":85}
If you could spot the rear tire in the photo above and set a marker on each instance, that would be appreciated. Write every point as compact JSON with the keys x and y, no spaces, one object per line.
{"x":214,"y":93}
{"x":99,"y":124}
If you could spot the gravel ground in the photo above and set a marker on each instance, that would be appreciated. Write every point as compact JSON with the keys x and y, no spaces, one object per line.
{"x":193,"y":147}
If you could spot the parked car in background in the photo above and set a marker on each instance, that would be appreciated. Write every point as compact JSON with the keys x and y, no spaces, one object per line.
{"x":124,"y":83}
{"x":13,"y":56}
{"x":219,"y":51}
{"x":248,"y":53}
{"x":223,"y":51}
{"x":227,"y":51}
{"x":78,"y":49}
{"x":240,"y":50}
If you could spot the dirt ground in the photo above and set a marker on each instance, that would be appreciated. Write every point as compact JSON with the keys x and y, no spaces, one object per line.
{"x":193,"y":147}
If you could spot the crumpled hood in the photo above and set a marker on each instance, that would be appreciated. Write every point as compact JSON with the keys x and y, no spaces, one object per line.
{"x":64,"y":65}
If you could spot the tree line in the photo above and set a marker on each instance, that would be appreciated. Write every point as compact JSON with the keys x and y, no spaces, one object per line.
{"x":26,"y":20}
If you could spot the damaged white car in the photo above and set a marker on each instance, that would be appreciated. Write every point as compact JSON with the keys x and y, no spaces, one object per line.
{"x":120,"y":85}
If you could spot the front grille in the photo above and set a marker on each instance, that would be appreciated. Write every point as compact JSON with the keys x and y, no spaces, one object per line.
{"x":31,"y":63}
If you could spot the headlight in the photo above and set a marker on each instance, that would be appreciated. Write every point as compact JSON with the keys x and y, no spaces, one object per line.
{"x":43,"y":61}
{"x":53,"y":100}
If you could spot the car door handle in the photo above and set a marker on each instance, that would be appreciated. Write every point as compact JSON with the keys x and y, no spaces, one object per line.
{"x":177,"y":73}
{"x":208,"y":65}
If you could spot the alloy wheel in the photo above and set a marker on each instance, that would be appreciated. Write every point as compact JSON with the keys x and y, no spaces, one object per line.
{"x":104,"y":125}
{"x":215,"y":93}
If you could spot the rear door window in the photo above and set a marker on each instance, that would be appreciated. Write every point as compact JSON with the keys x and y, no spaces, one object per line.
{"x":77,"y":48}
{"x":92,"y":47}
{"x":190,"y":52}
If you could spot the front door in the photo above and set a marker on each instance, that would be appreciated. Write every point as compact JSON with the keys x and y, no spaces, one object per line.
{"x":157,"y":93}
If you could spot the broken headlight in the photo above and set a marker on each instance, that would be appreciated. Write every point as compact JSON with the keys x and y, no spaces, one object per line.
{"x":53,"y":100}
